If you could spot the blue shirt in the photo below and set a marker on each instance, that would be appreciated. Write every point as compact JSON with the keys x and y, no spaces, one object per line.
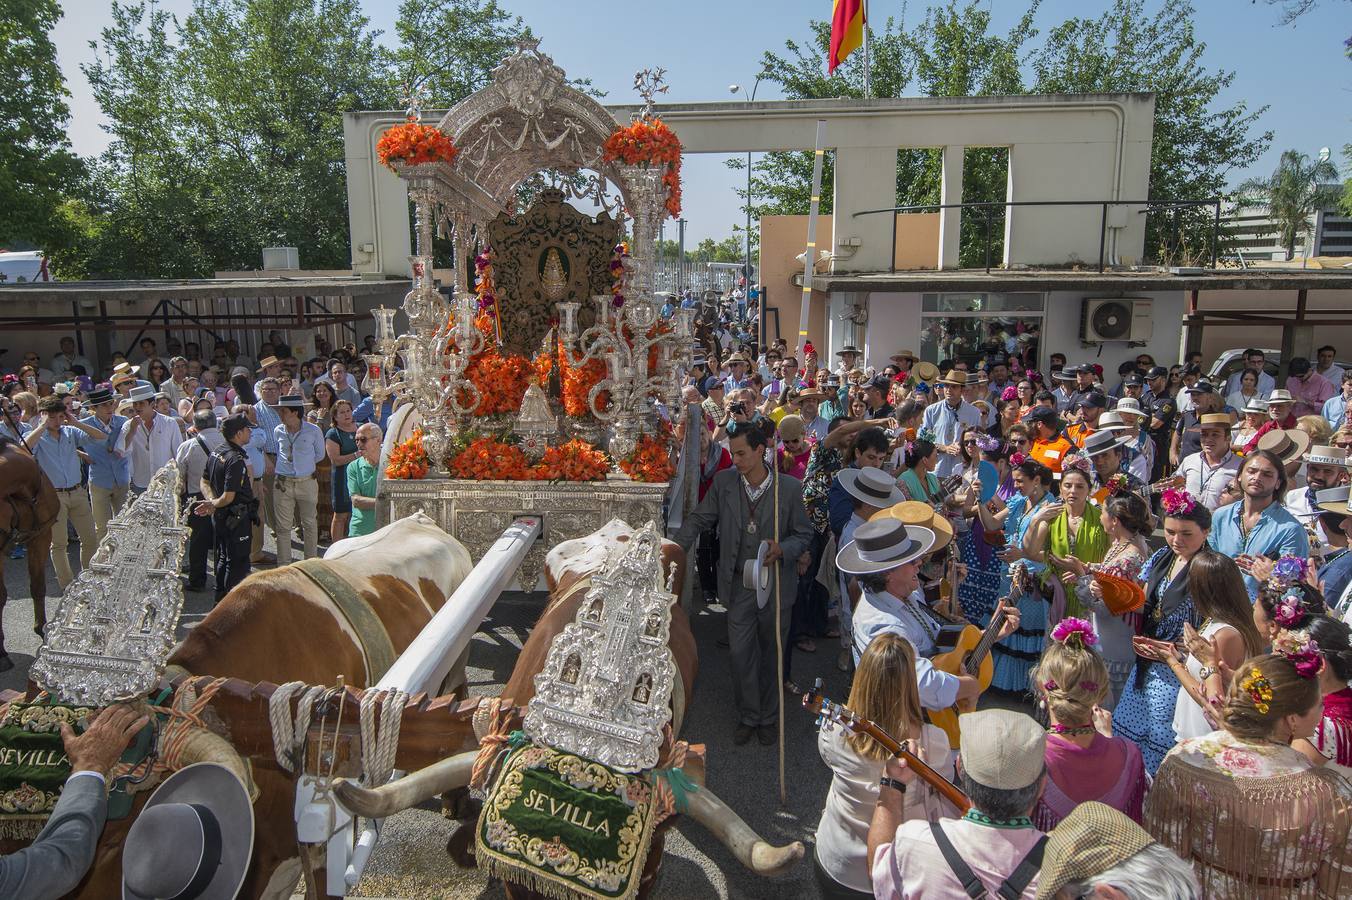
{"x":58,"y":458}
{"x":254,"y":450}
{"x":268,"y":420}
{"x":365,"y":411}
{"x":1335,"y":410}
{"x":107,"y":468}
{"x":299,"y":453}
{"x":1277,"y":531}
{"x":947,"y":424}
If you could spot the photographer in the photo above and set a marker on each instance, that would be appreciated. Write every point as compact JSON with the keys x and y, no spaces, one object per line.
{"x":228,"y":498}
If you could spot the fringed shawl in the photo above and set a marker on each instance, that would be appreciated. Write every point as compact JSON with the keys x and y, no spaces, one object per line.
{"x":1091,"y":543}
{"x":1282,"y":835}
{"x":1333,"y":737}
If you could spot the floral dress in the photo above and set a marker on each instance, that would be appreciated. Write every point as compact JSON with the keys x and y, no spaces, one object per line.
{"x":1016,"y":655}
{"x":978,"y":592}
{"x":1115,"y":632}
{"x":822,"y":467}
{"x":1145,"y":711}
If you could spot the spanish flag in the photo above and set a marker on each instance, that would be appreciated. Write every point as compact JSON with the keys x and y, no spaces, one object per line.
{"x":847,"y":30}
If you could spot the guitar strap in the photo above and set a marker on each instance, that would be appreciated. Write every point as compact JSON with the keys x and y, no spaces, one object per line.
{"x":1011,"y":889}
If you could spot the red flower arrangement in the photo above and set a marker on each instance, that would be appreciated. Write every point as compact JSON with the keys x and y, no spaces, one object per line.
{"x":501,"y":378}
{"x":414,"y":143}
{"x":649,"y":141}
{"x":577,"y":383}
{"x":489,"y":459}
{"x":574,"y":461}
{"x":651,"y":460}
{"x":408,"y":459}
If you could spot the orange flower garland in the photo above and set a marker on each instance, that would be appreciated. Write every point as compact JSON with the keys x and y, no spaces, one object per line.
{"x":408,"y":459}
{"x":651,"y":460}
{"x":578,"y":382}
{"x":649,"y":141}
{"x":574,"y":461}
{"x":414,"y":143}
{"x":501,"y":379}
{"x":489,"y":459}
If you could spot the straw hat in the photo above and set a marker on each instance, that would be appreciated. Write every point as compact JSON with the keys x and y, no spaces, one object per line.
{"x":1333,"y":500}
{"x":1103,"y":441}
{"x":1128,"y":406}
{"x":1323,"y":455}
{"x":1092,"y":839}
{"x":872,"y":486}
{"x":901,"y":355}
{"x":142,"y":391}
{"x":1289,"y":444}
{"x":1222,"y":419}
{"x":1110,"y":421}
{"x":914,"y":512}
{"x":268,"y":361}
{"x":1256,"y":406}
{"x":883,"y":545}
{"x":1002,"y":749}
{"x":957,"y":378}
{"x":1120,"y":595}
{"x":1281,"y":395}
{"x":925,"y":371}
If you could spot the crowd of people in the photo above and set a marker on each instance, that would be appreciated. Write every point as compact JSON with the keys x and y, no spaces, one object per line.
{"x":272,"y":443}
{"x":1159,"y":567}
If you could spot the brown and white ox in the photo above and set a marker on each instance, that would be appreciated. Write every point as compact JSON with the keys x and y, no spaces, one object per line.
{"x":277,"y":626}
{"x":568,"y":568}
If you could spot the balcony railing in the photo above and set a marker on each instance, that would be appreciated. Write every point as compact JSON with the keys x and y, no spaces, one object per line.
{"x":1171,"y":232}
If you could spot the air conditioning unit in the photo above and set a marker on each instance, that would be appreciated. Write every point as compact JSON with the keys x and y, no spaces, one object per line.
{"x":1116,"y":319}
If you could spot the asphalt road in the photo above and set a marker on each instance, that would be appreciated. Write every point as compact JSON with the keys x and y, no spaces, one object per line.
{"x":411,"y":860}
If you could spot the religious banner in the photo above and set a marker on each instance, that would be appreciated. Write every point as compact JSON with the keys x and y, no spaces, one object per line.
{"x":566,"y":827}
{"x":33,"y":764}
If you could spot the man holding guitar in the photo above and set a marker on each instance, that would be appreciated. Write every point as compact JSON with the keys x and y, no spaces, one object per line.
{"x":885,"y":558}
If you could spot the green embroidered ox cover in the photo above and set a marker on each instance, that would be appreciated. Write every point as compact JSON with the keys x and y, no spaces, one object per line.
{"x":566,"y":827}
{"x":33,"y":764}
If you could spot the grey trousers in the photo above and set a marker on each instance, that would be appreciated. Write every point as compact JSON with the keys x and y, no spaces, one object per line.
{"x":751,"y":640}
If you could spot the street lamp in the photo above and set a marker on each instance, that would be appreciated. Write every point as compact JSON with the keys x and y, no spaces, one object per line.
{"x":751,"y":98}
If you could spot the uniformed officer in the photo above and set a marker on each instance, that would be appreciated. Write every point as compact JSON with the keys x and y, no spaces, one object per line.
{"x":228,"y":498}
{"x":191,"y":457}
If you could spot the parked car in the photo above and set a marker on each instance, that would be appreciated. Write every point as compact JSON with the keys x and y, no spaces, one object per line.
{"x":23,"y":266}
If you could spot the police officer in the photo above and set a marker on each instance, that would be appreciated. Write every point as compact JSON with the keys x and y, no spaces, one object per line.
{"x":192,"y":459}
{"x":228,"y":498}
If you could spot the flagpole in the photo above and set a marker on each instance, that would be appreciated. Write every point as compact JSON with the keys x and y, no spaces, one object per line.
{"x":868,"y":69}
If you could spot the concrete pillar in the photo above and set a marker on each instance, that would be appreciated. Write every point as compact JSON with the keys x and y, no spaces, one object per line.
{"x":950,"y":220}
{"x":871,"y":184}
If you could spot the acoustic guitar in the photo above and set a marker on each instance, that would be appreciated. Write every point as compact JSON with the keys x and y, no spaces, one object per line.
{"x":830,"y":713}
{"x":964,"y":649}
{"x":1158,"y":487}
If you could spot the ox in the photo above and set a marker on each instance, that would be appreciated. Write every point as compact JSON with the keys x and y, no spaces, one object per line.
{"x":568,"y":568}
{"x":278,"y":626}
{"x":28,"y":507}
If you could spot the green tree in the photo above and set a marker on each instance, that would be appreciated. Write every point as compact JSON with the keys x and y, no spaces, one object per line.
{"x":1297,"y":189}
{"x":37,"y":167}
{"x":449,"y":47}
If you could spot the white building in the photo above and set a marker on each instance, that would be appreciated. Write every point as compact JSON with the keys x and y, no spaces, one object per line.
{"x":1255,"y":236}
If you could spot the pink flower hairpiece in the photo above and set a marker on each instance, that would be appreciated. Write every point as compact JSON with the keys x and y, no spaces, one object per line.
{"x":1077,"y":463}
{"x":1072,"y":626}
{"x":1290,"y":609}
{"x":1090,"y":686}
{"x":1117,"y":485}
{"x":1177,"y":503}
{"x":1016,"y":459}
{"x":1301,"y":650}
{"x":1010,"y":393}
{"x":1050,"y":685}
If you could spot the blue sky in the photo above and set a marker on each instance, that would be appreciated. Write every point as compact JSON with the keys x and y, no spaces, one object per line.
{"x":705,"y":45}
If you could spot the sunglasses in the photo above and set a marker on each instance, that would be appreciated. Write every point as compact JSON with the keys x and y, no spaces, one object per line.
{"x":971,"y":441}
{"x":1019,"y":442}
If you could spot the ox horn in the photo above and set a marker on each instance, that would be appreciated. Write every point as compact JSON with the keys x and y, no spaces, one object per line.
{"x":404,"y":793}
{"x":203,"y":745}
{"x":751,"y":850}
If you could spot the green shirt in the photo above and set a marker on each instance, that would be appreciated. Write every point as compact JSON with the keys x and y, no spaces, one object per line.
{"x":361,"y":482}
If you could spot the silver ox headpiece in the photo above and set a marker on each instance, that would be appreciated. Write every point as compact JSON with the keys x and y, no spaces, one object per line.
{"x":605,"y":690}
{"x":116,"y":622}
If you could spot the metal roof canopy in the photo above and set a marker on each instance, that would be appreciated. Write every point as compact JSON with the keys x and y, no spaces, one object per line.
{"x":1088,"y":280}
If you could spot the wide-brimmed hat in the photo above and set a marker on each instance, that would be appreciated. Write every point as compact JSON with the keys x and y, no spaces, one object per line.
{"x":1221,"y":418}
{"x":193,"y":838}
{"x":914,"y":512}
{"x":1063,"y":375}
{"x":1280,"y":395}
{"x":290,"y":401}
{"x":1289,"y":444}
{"x":883,"y":544}
{"x":1092,"y":839}
{"x":124,"y":368}
{"x":904,"y":354}
{"x":1120,"y":595}
{"x":268,"y":361}
{"x":142,"y":391}
{"x":848,"y":348}
{"x":957,"y":378}
{"x":756,"y":575}
{"x":1333,"y":500}
{"x":737,"y":358}
{"x":1324,"y":455}
{"x":1002,"y":749}
{"x":872,"y":486}
{"x":925,"y":371}
{"x":814,"y":395}
{"x":1256,"y":406}
{"x":1129,"y":406}
{"x":1103,"y":441}
{"x":99,"y":395}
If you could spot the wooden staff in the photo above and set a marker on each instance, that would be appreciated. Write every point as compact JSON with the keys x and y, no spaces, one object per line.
{"x":779,"y":636}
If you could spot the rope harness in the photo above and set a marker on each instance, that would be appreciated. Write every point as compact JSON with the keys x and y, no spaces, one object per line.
{"x":379,"y":717}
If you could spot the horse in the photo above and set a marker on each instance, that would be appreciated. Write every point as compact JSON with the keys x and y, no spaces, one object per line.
{"x":28,"y":508}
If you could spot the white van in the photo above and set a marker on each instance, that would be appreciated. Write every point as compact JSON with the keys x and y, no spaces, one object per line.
{"x":23,"y":266}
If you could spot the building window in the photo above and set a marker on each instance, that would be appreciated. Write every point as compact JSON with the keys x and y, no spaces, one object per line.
{"x":971,"y":327}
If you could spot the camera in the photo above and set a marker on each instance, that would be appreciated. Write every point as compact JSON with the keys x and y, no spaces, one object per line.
{"x":738,"y":408}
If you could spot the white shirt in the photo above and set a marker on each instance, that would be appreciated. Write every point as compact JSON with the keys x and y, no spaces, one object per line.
{"x":192,"y":460}
{"x":149,"y":448}
{"x":62,"y":363}
{"x":1297,"y":503}
{"x":881,"y":613}
{"x":1265,"y":383}
{"x":1205,"y":481}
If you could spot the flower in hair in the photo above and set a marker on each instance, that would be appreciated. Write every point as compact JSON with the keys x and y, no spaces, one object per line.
{"x":1068,"y":627}
{"x":987,"y":443}
{"x":1076,"y":463}
{"x":1301,"y":650}
{"x":1290,"y":609}
{"x":926,"y":434}
{"x":1177,"y":503}
{"x":1118,"y":485}
{"x":1090,"y":686}
{"x":1010,"y":393}
{"x":1034,"y":376}
{"x":1259,"y":689}
{"x":1050,"y":685}
{"x":1288,"y":570}
{"x":1017,"y":459}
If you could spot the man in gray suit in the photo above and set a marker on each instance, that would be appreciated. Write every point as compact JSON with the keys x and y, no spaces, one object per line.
{"x":63,"y":851}
{"x":741,"y":500}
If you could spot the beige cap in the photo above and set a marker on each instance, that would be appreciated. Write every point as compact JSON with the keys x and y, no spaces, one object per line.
{"x":1092,"y":839}
{"x":1002,"y":749}
{"x":791,"y":428}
